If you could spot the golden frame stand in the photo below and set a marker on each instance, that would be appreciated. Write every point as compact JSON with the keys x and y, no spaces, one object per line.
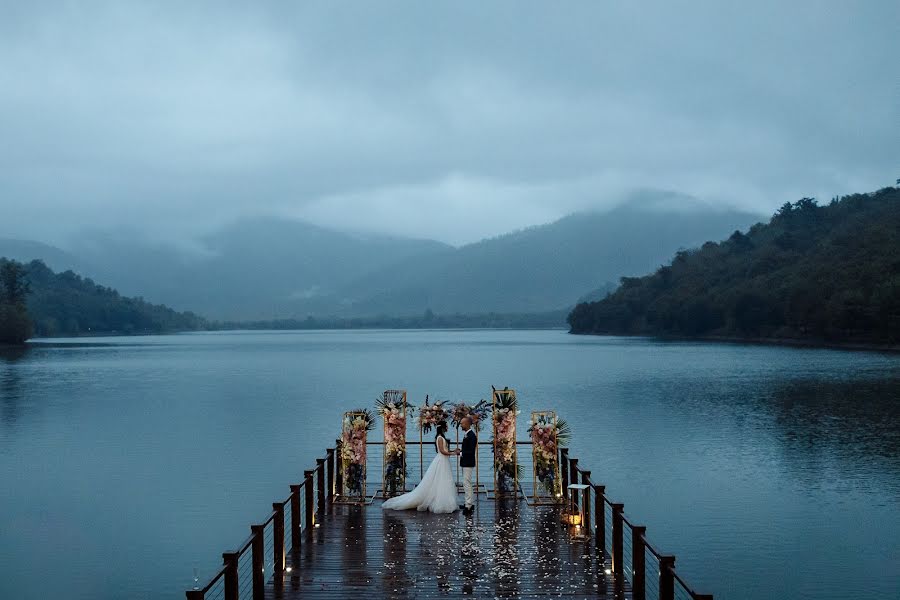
{"x":342,"y":497}
{"x":397,"y":397}
{"x":539,"y":495}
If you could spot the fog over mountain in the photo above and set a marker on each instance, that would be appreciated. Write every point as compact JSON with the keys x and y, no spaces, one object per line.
{"x":266,"y":268}
{"x":440,"y":120}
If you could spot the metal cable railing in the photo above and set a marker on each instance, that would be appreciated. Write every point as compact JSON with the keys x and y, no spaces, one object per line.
{"x":632,"y":558}
{"x":622,"y":546}
{"x":262,"y":555}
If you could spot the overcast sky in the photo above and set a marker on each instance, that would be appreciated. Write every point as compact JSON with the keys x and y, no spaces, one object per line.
{"x":451,"y":121}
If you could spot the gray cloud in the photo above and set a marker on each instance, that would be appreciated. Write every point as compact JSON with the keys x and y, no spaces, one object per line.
{"x":448,"y":120}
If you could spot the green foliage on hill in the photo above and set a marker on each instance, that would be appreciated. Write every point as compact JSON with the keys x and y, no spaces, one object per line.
{"x":67,"y":304}
{"x":820,"y":273}
{"x":15,"y":324}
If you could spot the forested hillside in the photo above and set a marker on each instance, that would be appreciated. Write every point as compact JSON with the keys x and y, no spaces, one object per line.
{"x":824,"y":273}
{"x":67,"y":304}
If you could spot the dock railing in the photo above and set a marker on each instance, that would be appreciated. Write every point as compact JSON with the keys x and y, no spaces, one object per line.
{"x":621,"y":545}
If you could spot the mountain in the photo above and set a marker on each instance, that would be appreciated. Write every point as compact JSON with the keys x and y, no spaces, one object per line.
{"x":820,"y":273}
{"x":67,"y":304}
{"x":28,"y":250}
{"x":541,"y":268}
{"x":259,"y":268}
{"x":268,"y":268}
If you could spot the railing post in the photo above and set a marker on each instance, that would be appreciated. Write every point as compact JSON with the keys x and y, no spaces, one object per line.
{"x":258,"y":561}
{"x":339,"y":468}
{"x":600,"y":514}
{"x":195,"y":594}
{"x":639,"y":579}
{"x":320,"y":484}
{"x":330,"y":484}
{"x":573,"y":478}
{"x":618,"y":553}
{"x":278,"y":543}
{"x":666,"y":578}
{"x":308,"y":484}
{"x":586,"y":480}
{"x":296,"y":523}
{"x":230,"y":559}
{"x":564,"y":470}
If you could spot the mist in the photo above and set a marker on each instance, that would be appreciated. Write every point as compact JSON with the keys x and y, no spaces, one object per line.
{"x":443,"y":121}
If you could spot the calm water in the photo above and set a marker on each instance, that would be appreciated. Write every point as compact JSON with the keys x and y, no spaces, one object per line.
{"x":127,"y":462}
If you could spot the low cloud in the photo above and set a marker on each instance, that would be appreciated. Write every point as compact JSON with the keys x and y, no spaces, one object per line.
{"x":443,"y":121}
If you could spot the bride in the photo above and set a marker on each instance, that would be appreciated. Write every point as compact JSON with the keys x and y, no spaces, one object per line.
{"x":437,"y":490}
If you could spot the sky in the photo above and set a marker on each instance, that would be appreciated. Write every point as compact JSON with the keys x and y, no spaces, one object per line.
{"x":445,"y":120}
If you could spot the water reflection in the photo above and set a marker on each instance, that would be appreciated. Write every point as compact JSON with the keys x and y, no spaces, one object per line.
{"x":355,"y":561}
{"x":506,"y":548}
{"x":11,"y":385}
{"x":396,"y":581}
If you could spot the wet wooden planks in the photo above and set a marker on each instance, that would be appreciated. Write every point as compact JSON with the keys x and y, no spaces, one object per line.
{"x":506,"y":549}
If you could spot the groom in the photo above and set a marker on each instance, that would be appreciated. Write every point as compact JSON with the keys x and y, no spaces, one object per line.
{"x":467,"y":461}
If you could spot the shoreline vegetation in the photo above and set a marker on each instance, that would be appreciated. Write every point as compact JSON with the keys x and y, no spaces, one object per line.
{"x":826,"y":276}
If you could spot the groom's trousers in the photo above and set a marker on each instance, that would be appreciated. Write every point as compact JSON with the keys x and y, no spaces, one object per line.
{"x":467,"y":485}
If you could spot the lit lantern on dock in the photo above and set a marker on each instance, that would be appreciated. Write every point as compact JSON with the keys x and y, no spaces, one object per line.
{"x":575,"y":512}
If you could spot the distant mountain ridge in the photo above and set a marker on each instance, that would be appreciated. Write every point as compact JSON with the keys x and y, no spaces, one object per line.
{"x":269,"y":268}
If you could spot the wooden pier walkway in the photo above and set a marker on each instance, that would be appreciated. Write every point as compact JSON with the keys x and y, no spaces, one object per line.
{"x":506,"y":549}
{"x":314,"y":546}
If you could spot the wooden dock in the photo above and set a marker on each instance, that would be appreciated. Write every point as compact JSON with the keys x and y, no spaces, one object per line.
{"x":312,"y":545}
{"x":504,"y":550}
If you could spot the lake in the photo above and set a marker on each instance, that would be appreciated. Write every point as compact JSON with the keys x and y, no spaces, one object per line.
{"x":770,"y":472}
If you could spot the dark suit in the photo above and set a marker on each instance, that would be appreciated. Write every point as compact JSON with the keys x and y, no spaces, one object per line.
{"x":467,"y":462}
{"x":469,"y":447}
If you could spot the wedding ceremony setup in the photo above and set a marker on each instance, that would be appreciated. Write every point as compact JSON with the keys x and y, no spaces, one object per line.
{"x":494,"y":506}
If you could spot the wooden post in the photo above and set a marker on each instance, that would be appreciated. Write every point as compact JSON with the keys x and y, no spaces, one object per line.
{"x":618,"y":553}
{"x":278,"y":543}
{"x":339,"y":469}
{"x":320,"y":484}
{"x":310,"y":501}
{"x":258,"y":561}
{"x":600,"y":514}
{"x":639,"y":578}
{"x":703,"y":597}
{"x":586,"y":480}
{"x":564,"y":469}
{"x":296,"y":524}
{"x":195,"y":594}
{"x":230,"y":559}
{"x":666,"y":578}
{"x":330,"y":483}
{"x":573,"y":478}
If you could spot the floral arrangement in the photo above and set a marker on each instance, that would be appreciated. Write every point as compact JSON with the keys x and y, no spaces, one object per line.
{"x":431,"y":414}
{"x":392,"y":409}
{"x":477,"y":413}
{"x":504,"y":420}
{"x":356,"y":426}
{"x":547,"y":432}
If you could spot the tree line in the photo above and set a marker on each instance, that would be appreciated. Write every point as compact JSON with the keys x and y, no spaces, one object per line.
{"x":35,"y":301}
{"x":827,"y":273}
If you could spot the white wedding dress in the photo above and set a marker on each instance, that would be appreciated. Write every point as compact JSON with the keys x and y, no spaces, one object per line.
{"x":437,"y":490}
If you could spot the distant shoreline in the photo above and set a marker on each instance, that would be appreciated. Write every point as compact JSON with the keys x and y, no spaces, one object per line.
{"x":97,"y":334}
{"x":761,"y":341}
